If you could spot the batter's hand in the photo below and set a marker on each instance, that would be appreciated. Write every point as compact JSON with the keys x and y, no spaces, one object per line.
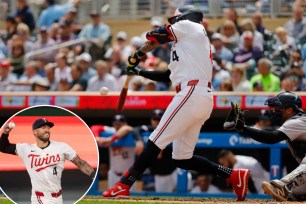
{"x":132,"y":71}
{"x":235,"y":119}
{"x":104,"y":141}
{"x":135,"y":58}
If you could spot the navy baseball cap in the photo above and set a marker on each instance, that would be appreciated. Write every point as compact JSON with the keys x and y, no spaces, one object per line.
{"x":119,"y":119}
{"x":157,"y":114}
{"x":40,"y":122}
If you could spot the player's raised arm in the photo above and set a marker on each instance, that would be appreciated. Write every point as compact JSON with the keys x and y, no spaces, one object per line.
{"x":84,"y":167}
{"x":5,"y":145}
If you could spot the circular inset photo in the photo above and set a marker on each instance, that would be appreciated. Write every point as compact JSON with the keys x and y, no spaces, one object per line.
{"x":48,"y":155}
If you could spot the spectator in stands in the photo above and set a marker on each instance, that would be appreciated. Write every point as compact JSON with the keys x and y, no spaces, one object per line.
{"x":28,"y":78}
{"x":41,"y":84}
{"x":239,"y":81}
{"x":17,"y":59}
{"x":119,"y":156}
{"x":53,"y":31}
{"x":258,"y":173}
{"x":22,"y":36}
{"x":230,"y":35}
{"x":62,"y":71}
{"x":24,"y":14}
{"x":71,"y":19}
{"x":10,"y":27}
{"x":231,"y":14}
{"x":257,"y":87}
{"x":121,"y":50}
{"x":3,"y":51}
{"x":164,"y":169}
{"x":206,"y":26}
{"x":220,"y":50}
{"x":53,"y":12}
{"x":257,"y":21}
{"x":50,"y":75}
{"x":220,"y":74}
{"x":263,"y":122}
{"x":63,"y":85}
{"x":102,"y":78}
{"x":248,"y":55}
{"x":78,"y":83}
{"x":149,"y":85}
{"x":270,"y":82}
{"x":98,"y":33}
{"x":65,"y":33}
{"x":303,"y":56}
{"x":84,"y":61}
{"x":248,"y":25}
{"x":203,"y":185}
{"x":293,"y":81}
{"x":226,"y":85}
{"x":44,"y":41}
{"x":296,"y":27}
{"x":6,"y":76}
{"x":283,"y":41}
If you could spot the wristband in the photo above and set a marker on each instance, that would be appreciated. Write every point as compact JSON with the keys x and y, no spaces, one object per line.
{"x":114,"y":137}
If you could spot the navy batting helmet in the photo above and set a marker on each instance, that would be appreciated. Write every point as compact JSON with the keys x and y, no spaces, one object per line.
{"x":285,"y":100}
{"x":187,"y":12}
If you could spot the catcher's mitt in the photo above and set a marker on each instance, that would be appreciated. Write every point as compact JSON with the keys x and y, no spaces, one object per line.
{"x":235,"y":119}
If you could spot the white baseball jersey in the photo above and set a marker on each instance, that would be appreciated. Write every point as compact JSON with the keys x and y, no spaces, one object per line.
{"x":45,"y":166}
{"x":192,"y":105}
{"x":258,"y":173}
{"x":295,"y":129}
{"x":190,"y":53}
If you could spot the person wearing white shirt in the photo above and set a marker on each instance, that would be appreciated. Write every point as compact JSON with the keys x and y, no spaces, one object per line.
{"x":258,"y":173}
{"x":204,"y":185}
{"x":102,"y":79}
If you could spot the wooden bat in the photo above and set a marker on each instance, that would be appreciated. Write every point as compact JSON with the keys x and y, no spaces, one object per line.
{"x":123,"y":94}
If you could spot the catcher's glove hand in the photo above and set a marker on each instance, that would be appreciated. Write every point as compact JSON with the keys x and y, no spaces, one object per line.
{"x":235,"y":119}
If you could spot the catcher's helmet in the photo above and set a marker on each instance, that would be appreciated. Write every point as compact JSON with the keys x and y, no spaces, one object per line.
{"x":187,"y":12}
{"x":285,"y":100}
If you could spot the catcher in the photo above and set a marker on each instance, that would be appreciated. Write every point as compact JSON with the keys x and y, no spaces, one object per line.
{"x":285,"y":111}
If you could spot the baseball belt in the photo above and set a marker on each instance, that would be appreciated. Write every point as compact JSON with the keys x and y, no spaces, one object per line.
{"x":54,"y":195}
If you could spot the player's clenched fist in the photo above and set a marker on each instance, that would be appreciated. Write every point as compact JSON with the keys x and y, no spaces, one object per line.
{"x":135,"y":58}
{"x":8,"y":127}
{"x":132,"y":70}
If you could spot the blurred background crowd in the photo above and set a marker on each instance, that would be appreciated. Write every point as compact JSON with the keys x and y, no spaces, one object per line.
{"x":52,"y":50}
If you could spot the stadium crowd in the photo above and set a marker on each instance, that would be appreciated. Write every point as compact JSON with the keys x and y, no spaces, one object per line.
{"x":246,"y":56}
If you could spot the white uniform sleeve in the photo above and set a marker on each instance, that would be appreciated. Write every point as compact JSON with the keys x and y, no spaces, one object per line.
{"x":69,"y":153}
{"x":20,"y":149}
{"x":179,"y":29}
{"x":293,"y":128}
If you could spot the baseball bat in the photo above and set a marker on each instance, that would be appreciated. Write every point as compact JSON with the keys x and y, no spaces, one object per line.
{"x":123,"y":94}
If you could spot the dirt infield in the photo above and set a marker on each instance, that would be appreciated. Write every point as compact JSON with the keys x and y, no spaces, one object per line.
{"x":175,"y":200}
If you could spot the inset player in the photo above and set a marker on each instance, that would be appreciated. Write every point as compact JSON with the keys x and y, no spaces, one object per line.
{"x":44,"y":161}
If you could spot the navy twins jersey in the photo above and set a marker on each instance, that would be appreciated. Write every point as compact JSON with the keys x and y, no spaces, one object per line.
{"x":45,"y":166}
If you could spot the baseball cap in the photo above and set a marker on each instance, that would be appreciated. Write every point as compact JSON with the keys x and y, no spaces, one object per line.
{"x":5,"y":64}
{"x":122,"y":35}
{"x":216,"y":36}
{"x":40,"y":122}
{"x":84,"y":56}
{"x":119,"y":119}
{"x":157,"y":114}
{"x":156,"y":21}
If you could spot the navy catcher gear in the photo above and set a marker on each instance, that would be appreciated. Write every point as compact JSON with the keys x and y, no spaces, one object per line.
{"x":188,"y":12}
{"x":285,"y":100}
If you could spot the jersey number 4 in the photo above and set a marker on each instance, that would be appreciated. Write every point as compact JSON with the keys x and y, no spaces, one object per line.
{"x":54,"y":171}
{"x":175,"y":57}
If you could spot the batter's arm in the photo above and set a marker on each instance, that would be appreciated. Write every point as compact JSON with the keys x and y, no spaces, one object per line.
{"x":84,"y":167}
{"x":264,"y":136}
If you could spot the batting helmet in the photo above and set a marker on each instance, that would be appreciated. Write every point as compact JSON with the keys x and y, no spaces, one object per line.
{"x":285,"y":100}
{"x":188,"y":12}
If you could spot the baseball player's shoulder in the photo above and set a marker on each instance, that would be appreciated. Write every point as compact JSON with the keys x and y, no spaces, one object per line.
{"x":58,"y":144}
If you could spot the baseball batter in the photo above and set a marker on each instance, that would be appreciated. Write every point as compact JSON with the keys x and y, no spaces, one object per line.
{"x":286,"y":111}
{"x":190,"y":71}
{"x":44,"y":161}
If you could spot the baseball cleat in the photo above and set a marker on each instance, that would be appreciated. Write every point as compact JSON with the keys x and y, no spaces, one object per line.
{"x":239,"y":180}
{"x":279,"y":193}
{"x":118,"y":191}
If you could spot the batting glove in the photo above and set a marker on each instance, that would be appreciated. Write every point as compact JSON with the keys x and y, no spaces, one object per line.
{"x":135,"y":58}
{"x":132,"y":70}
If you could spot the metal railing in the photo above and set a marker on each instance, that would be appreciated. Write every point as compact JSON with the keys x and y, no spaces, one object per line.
{"x":33,"y":53}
